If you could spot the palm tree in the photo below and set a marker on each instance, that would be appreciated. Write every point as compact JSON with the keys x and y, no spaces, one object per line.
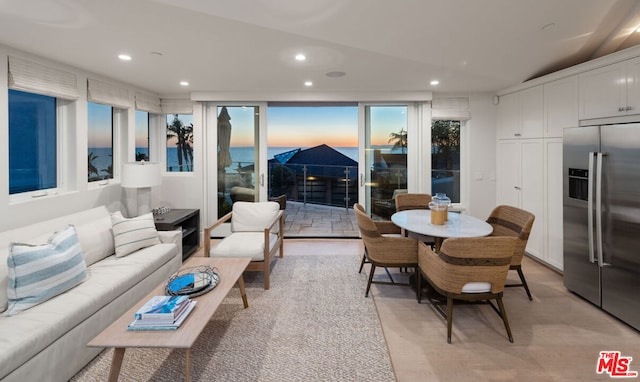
{"x":92,"y":169}
{"x":399,"y":140}
{"x":184,"y":136}
{"x":445,"y":138}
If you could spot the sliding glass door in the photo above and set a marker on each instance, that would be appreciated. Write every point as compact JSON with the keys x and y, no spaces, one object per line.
{"x":385,"y":149}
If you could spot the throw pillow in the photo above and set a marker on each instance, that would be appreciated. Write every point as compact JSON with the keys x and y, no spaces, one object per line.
{"x":40,"y":272}
{"x":133,"y":234}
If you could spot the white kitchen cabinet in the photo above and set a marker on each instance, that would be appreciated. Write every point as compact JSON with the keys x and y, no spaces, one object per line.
{"x":553,"y":234}
{"x":561,"y":107}
{"x":520,"y":114}
{"x":610,"y":91}
{"x":521,"y":183}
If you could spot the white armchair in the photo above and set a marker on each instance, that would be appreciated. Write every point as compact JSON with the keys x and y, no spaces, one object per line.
{"x":256,"y":232}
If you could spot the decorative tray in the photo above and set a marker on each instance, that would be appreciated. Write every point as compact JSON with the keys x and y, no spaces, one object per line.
{"x":192,"y":281}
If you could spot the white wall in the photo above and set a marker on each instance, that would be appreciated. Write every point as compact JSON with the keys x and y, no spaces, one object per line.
{"x":482,"y":155}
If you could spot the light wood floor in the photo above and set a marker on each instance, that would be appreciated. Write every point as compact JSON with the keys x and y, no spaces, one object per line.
{"x":558,"y":336}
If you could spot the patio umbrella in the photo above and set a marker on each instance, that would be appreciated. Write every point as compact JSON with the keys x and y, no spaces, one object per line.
{"x":224,"y":139}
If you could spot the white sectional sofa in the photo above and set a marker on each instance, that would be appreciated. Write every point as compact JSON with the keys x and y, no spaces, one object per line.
{"x":47,"y":342}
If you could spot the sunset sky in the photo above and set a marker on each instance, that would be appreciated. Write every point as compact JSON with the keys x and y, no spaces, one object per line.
{"x":312,"y":126}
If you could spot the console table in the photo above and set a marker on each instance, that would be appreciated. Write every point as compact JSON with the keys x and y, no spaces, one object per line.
{"x":186,"y":219}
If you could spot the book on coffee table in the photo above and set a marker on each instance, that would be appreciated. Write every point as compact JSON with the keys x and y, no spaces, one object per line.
{"x":153,"y":325}
{"x":165,"y":308}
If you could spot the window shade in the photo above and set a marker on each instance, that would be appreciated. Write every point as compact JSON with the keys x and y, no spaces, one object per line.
{"x":148,"y":103}
{"x":108,"y":94}
{"x":33,"y":77}
{"x":450,"y":108}
{"x":176,"y":106}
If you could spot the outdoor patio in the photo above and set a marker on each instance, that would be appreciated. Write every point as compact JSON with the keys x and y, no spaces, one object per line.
{"x":314,"y":220}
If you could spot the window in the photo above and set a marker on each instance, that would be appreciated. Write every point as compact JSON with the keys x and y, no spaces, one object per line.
{"x":445,"y":158}
{"x":179,"y":143}
{"x":142,"y":135}
{"x":32,"y":142}
{"x":100,"y":147}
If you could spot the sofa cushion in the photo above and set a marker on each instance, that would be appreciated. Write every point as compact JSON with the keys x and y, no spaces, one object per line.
{"x":96,"y":239}
{"x":40,"y":272}
{"x":251,"y":217}
{"x":243,"y":244}
{"x":132,"y":234}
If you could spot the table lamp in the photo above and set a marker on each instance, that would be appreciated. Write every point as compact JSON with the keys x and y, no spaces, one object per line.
{"x":141,"y":176}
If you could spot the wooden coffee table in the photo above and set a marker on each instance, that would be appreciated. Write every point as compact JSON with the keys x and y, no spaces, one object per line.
{"x":118,"y":337}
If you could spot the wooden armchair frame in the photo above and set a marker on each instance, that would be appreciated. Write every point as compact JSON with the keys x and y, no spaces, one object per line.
{"x":262,"y":265}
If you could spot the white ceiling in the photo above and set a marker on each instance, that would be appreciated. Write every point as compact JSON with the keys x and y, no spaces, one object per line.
{"x":381,"y":45}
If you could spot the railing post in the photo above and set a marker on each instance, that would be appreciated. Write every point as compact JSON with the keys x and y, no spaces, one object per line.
{"x":304,"y":184}
{"x":346,"y":187}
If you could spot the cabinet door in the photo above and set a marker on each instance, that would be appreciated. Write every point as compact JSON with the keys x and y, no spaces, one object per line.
{"x":553,"y":203}
{"x":508,"y":116}
{"x":603,"y":92}
{"x":560,"y":106}
{"x":532,"y":191}
{"x":508,"y":181}
{"x":633,"y":86}
{"x":530,"y":112}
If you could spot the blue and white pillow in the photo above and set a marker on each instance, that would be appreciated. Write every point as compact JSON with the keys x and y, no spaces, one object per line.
{"x":133,"y":234}
{"x":40,"y":272}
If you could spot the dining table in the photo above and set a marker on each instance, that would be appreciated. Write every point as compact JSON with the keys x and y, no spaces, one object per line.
{"x":456,"y":225}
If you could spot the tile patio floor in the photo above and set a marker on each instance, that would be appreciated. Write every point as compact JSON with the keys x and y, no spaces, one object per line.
{"x":313,"y":220}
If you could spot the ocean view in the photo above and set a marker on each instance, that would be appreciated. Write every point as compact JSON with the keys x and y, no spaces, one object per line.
{"x":239,"y":155}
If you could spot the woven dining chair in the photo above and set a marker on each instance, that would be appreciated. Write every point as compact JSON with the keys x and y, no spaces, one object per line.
{"x":470,"y":269}
{"x":412,"y":201}
{"x":386,"y":228}
{"x":515,"y":222}
{"x":382,"y":250}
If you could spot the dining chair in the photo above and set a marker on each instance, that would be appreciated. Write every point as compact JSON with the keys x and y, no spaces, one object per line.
{"x":256,"y":232}
{"x":386,"y":228}
{"x":384,"y":250}
{"x":516,"y":222}
{"x":414,"y":201}
{"x":472,"y":269}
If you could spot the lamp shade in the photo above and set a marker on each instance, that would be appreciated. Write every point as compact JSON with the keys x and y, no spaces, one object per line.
{"x":141,"y":174}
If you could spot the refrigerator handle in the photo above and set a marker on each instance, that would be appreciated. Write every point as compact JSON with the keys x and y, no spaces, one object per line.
{"x":599,"y":208}
{"x":592,"y":258}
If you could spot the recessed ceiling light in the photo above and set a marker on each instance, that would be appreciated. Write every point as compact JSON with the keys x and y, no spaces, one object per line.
{"x":638,"y":29}
{"x":308,"y":83}
{"x":124,"y":57}
{"x":184,"y":83}
{"x":158,"y":54}
{"x":300,"y":57}
{"x":434,"y":82}
{"x":335,"y":74}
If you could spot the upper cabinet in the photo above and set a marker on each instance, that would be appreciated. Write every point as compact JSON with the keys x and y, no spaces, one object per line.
{"x":520,"y":114}
{"x":560,"y":106}
{"x":610,"y":91}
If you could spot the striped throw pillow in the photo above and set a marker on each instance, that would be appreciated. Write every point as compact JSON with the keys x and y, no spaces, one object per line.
{"x":133,"y":234}
{"x":40,"y":272}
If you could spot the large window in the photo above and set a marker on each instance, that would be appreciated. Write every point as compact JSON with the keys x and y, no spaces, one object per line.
{"x":32,"y":142}
{"x":445,"y":158}
{"x":100,"y":147}
{"x":179,"y":143}
{"x":142,"y":135}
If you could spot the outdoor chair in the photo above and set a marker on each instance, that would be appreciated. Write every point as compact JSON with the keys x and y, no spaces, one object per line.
{"x":516,"y":222}
{"x":470,"y":269}
{"x":382,"y":250}
{"x":256,"y":232}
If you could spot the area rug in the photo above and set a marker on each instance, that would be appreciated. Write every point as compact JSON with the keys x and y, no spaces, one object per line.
{"x":314,"y":324}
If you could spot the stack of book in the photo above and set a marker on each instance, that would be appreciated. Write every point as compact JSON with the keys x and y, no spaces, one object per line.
{"x":162,"y":313}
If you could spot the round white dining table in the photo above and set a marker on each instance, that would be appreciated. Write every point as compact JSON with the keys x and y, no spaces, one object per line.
{"x":457,"y":225}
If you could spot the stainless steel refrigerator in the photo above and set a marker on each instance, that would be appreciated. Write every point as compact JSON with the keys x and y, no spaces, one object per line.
{"x":601,"y":201}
